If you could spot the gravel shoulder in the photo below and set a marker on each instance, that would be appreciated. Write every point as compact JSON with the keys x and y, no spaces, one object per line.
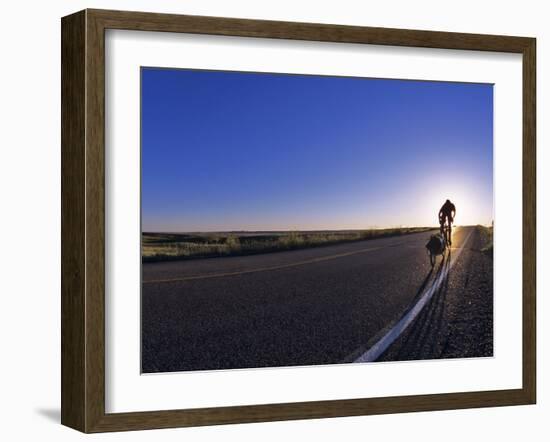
{"x":458,"y":320}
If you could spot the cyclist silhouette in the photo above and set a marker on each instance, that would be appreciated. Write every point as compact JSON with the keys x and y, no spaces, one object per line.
{"x":446,"y":213}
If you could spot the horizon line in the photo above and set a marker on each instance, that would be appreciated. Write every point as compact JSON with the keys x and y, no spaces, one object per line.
{"x":435,"y":226}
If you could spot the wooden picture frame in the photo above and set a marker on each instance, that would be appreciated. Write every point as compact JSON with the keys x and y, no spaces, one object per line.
{"x":83,"y":219}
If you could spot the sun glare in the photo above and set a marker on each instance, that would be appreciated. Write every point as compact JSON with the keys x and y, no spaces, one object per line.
{"x":469,"y":208}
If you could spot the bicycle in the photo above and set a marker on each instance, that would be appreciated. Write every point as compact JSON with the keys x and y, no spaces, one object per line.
{"x":446,"y":231}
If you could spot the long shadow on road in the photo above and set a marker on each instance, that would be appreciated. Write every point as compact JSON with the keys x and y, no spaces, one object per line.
{"x":423,"y":338}
{"x":419,"y":293}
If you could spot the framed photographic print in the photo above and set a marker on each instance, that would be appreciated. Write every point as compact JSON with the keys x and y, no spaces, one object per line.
{"x":270,"y":220}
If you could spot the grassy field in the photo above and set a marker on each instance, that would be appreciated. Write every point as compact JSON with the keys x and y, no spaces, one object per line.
{"x":176,"y":246}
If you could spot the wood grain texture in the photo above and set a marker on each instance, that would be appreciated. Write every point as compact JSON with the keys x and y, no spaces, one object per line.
{"x":95,"y":222}
{"x":307,"y":410}
{"x":73,"y":398}
{"x":144,"y":21}
{"x":83,"y":220}
{"x":529,"y":221}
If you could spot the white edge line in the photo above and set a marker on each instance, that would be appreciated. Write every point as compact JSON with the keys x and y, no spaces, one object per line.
{"x":373,"y":353}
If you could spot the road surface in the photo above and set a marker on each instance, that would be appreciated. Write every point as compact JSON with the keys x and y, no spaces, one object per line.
{"x":363,"y":301}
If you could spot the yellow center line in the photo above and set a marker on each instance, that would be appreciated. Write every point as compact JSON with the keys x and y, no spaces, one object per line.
{"x":262,"y":269}
{"x":275,"y":267}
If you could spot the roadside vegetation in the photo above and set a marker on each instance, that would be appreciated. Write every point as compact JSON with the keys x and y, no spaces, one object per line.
{"x":176,"y":246}
{"x":487,"y":238}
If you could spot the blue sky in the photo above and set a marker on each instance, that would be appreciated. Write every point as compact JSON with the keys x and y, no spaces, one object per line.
{"x":252,"y":151}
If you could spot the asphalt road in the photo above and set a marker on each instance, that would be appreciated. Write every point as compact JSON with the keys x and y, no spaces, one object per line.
{"x":323,"y":305}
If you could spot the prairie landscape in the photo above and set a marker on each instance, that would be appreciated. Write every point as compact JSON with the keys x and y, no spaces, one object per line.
{"x":180,"y":246}
{"x":286,"y":220}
